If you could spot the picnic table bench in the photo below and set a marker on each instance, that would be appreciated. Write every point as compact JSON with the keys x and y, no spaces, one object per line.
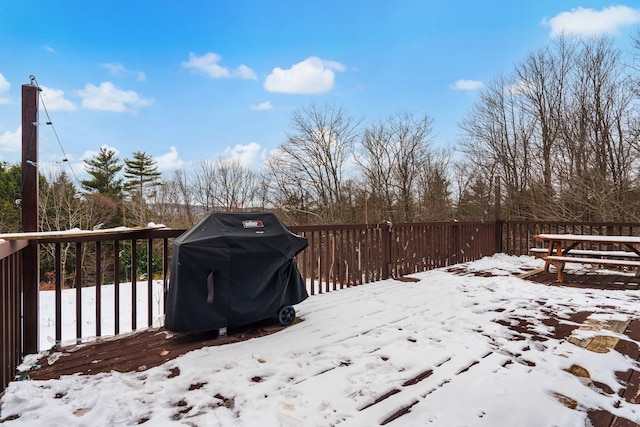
{"x":561,"y":249}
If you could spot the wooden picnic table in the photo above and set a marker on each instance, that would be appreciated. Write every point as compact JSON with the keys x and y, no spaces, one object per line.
{"x":560,"y":246}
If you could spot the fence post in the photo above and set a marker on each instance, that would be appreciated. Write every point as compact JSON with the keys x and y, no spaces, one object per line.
{"x":498,"y":235}
{"x":385,"y":236}
{"x":455,"y":241}
{"x":29,"y":205}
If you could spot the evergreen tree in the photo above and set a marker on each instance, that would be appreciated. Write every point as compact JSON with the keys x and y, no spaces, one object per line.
{"x":104,"y":168}
{"x":141,"y":174}
{"x":10,"y":194}
{"x":141,"y":179}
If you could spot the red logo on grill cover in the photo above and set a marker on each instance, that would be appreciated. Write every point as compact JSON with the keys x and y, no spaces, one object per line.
{"x":252,"y":224}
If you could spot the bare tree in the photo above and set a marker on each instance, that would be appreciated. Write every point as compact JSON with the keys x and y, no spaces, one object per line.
{"x":394,"y":154}
{"x":498,"y":138}
{"x":377,"y":163}
{"x":61,"y":208}
{"x":473,"y":192}
{"x":235,"y":186}
{"x":61,"y":205}
{"x":183,"y":194}
{"x":411,"y":137}
{"x":635,"y":63}
{"x":434,"y":187}
{"x":561,"y":131}
{"x":314,"y":159}
{"x":203,"y":184}
{"x":174,"y":205}
{"x":543,"y":80}
{"x":225,"y":184}
{"x":287,"y":191}
{"x":599,"y":133}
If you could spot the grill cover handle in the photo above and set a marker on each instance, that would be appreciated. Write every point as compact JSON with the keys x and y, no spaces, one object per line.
{"x":210,"y":287}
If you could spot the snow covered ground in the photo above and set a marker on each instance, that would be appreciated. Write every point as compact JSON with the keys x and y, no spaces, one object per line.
{"x":445,"y":347}
{"x":107,"y":297}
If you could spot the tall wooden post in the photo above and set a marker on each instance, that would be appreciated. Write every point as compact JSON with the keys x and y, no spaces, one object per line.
{"x":31,"y":260}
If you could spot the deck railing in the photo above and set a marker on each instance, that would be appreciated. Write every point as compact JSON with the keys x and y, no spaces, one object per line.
{"x":337,"y":256}
{"x":340,"y":256}
{"x":10,"y":308}
{"x":104,"y":254}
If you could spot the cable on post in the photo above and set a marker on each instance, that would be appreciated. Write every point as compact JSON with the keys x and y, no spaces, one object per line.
{"x":49,"y":122}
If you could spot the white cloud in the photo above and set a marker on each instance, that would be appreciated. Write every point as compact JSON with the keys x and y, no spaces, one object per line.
{"x":4,"y":88}
{"x":311,"y":76}
{"x":244,"y":72}
{"x":140,"y":76}
{"x":54,"y":164}
{"x":463,"y":84}
{"x":49,"y":49}
{"x":114,"y":68}
{"x":169,"y":161}
{"x":246,"y":154}
{"x":590,"y":22}
{"x":108,"y":97}
{"x":54,"y":100}
{"x":11,"y":141}
{"x":209,"y":65}
{"x":262,"y":106}
{"x":520,"y":87}
{"x":117,"y":69}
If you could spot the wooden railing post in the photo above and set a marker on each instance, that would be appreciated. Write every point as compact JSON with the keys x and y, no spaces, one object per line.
{"x":31,"y":260}
{"x":498,"y":220}
{"x":385,"y":236}
{"x":456,"y":256}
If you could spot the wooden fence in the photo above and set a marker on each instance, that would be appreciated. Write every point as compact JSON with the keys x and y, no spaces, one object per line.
{"x":338,"y":256}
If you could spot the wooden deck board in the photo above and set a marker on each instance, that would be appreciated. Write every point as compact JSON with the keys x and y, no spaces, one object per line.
{"x":149,"y":348}
{"x":137,"y":351}
{"x":591,"y":280}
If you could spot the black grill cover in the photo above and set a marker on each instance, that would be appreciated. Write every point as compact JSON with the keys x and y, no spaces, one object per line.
{"x":231,"y":269}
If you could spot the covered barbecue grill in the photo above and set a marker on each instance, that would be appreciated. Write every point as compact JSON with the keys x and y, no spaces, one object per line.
{"x":232,"y":269}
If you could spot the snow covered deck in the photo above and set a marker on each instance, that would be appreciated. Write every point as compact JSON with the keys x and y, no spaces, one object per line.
{"x":477,"y":346}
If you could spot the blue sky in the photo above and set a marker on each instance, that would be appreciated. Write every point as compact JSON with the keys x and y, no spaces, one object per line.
{"x":194,"y":80}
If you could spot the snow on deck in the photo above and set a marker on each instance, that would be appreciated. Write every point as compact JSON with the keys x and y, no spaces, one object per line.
{"x":448,"y":350}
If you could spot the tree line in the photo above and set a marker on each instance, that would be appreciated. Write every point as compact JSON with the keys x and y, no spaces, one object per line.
{"x":560,"y":131}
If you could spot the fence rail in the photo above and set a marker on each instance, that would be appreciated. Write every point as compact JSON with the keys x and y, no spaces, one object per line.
{"x":337,"y":256}
{"x":10,"y":308}
{"x":104,"y":253}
